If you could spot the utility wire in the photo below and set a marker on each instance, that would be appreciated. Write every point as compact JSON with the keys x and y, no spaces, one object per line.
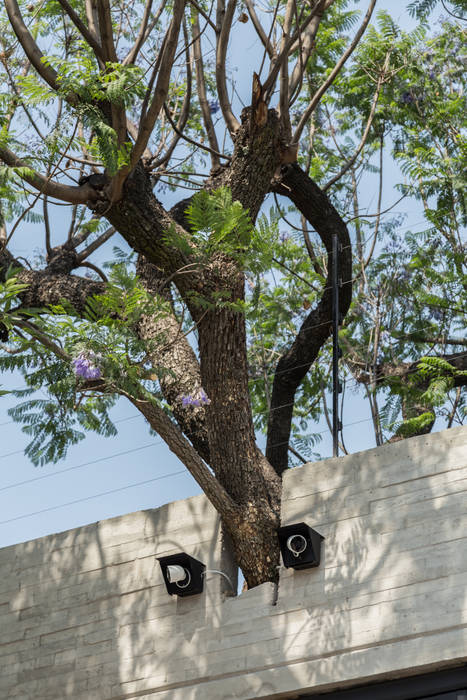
{"x":351,"y":384}
{"x":129,"y":486}
{"x":79,"y":466}
{"x":89,"y":498}
{"x":120,"y":420}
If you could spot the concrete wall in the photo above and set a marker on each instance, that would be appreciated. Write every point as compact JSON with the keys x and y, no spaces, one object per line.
{"x":85,"y":615}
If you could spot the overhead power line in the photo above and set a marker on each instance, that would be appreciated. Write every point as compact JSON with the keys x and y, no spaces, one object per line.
{"x":89,"y":498}
{"x":79,"y":466}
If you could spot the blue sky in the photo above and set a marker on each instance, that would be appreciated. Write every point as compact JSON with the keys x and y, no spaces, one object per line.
{"x":101,"y":478}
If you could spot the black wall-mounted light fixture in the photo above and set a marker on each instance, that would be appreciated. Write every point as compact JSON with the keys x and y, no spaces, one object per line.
{"x":183,"y":575}
{"x":300,"y":546}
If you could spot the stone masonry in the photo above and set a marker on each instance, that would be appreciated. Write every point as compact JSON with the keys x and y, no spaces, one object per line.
{"x":85,"y":615}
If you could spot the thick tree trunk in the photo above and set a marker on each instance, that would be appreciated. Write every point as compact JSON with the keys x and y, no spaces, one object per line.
{"x":237,"y":463}
{"x":248,"y":489}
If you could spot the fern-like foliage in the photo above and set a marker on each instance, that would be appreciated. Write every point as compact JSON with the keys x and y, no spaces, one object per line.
{"x":416,"y":425}
{"x":216,"y":220}
{"x":72,"y":406}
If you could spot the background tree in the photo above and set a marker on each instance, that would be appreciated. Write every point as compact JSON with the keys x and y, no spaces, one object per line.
{"x":211,"y":324}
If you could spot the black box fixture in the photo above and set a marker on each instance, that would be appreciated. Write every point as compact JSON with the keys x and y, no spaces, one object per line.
{"x":300,"y":546}
{"x":183,"y":575}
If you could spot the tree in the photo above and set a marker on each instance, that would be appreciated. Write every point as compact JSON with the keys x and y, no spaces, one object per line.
{"x":109,"y":103}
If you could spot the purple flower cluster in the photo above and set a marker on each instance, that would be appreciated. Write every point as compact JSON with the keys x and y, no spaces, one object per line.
{"x":284,"y":236}
{"x":85,"y":367}
{"x":407,"y":97}
{"x":199,"y":398}
{"x":214,"y":106}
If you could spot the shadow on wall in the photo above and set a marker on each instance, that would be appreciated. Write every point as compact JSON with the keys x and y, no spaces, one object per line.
{"x":85,"y":614}
{"x":390,"y":594}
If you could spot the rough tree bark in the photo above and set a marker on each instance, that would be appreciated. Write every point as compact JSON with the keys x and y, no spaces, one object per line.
{"x":217,"y":441}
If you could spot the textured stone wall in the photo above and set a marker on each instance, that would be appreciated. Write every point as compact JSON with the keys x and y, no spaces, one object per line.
{"x":85,"y":615}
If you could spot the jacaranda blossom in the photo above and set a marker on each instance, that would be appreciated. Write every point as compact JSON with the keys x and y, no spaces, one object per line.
{"x":199,"y":398}
{"x":85,"y":367}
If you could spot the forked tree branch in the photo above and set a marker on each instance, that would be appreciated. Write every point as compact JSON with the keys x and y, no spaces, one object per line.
{"x":159,"y":160}
{"x":284,"y":53}
{"x":133,"y":53}
{"x":306,"y":47}
{"x":160,"y":95}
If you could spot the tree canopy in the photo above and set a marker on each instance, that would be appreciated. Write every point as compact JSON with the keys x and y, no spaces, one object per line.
{"x":213,"y":317}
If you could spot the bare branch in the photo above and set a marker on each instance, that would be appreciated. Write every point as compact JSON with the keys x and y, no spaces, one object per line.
{"x":305,"y":46}
{"x":133,"y":131}
{"x":259,"y":28}
{"x":284,"y":71}
{"x":30,"y":47}
{"x":95,"y":269}
{"x":160,"y":94}
{"x":190,"y":140}
{"x":283,"y":55}
{"x":333,"y":74}
{"x":140,"y":39}
{"x":202,"y":97}
{"x":180,"y":446}
{"x":91,"y":15}
{"x":95,"y":244}
{"x":156,"y":162}
{"x":106,"y":31}
{"x":88,"y":35}
{"x":203,"y":14}
{"x":224,"y":25}
{"x":366,"y":130}
{"x":44,"y":339}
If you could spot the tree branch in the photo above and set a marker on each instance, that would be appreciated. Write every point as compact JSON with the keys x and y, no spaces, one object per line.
{"x":140,"y":39}
{"x":30,"y":47}
{"x":259,"y":28}
{"x":184,"y":113}
{"x":333,"y":74}
{"x":106,"y":31}
{"x":224,"y":25}
{"x":180,"y":446}
{"x":295,"y":362}
{"x":202,"y":96}
{"x":51,"y":188}
{"x":88,"y":35}
{"x":160,"y":94}
{"x":366,"y":130}
{"x":173,"y":352}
